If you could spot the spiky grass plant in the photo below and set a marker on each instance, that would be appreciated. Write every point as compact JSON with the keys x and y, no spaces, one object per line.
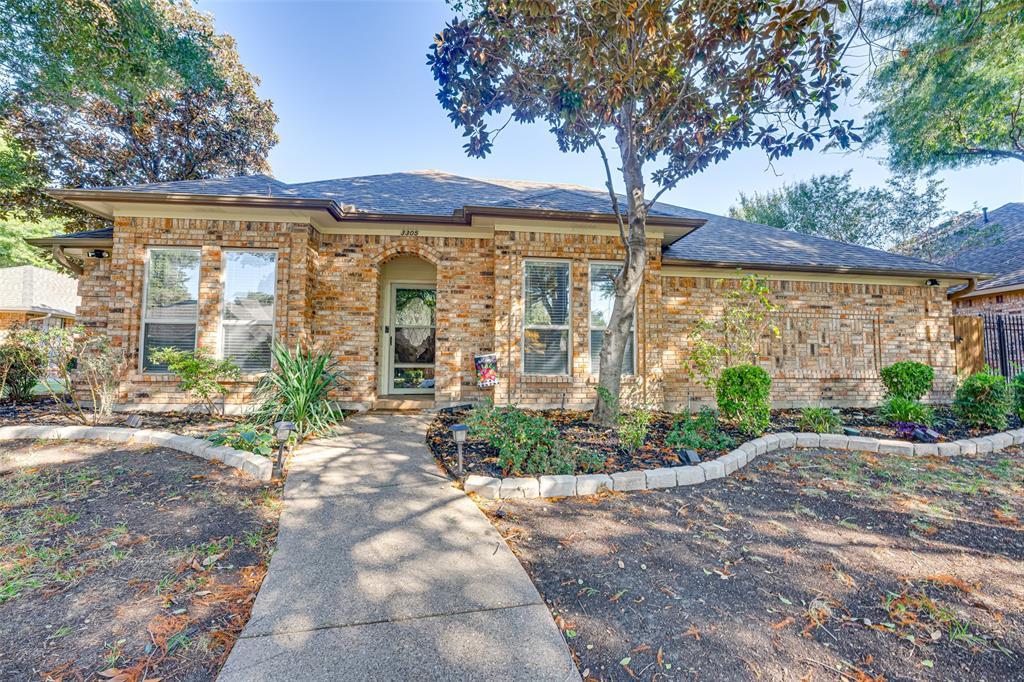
{"x":298,"y":389}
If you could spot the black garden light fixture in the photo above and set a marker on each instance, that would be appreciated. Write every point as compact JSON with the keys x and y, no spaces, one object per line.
{"x":283,"y":431}
{"x":459,"y":433}
{"x":690,"y":456}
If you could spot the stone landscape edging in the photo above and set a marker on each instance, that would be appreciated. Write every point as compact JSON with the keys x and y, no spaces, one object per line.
{"x":260,"y":468}
{"x":670,"y":477}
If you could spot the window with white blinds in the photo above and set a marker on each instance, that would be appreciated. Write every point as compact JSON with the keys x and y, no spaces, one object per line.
{"x":247,"y":320}
{"x":602,"y":298}
{"x":546,"y":337}
{"x":171,"y":302}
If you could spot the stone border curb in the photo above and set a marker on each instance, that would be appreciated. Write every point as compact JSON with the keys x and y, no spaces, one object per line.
{"x":669,"y":477}
{"x":248,"y":463}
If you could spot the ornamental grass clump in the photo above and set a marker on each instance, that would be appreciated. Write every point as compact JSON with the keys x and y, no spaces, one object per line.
{"x":898,"y":409}
{"x":819,"y":420}
{"x":744,"y":398}
{"x":983,"y":400}
{"x":298,"y":389}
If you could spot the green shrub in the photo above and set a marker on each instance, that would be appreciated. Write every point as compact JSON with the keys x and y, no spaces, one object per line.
{"x":698,"y":432}
{"x":899,"y":409}
{"x":910,"y":380}
{"x":200,"y":376}
{"x":982,"y":400}
{"x":632,"y":428}
{"x":248,"y":437}
{"x":528,"y":443}
{"x":1017,"y":397}
{"x":744,"y":397}
{"x":298,"y":389}
{"x":20,"y":364}
{"x":820,"y":420}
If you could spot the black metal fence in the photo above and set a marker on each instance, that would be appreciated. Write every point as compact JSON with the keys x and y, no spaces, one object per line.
{"x":1004,"y":343}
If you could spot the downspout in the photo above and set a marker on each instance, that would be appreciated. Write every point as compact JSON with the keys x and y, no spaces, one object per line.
{"x":960,"y":293}
{"x":58,"y":255}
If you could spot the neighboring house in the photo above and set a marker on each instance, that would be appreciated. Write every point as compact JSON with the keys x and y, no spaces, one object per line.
{"x":36,"y":296}
{"x":408,"y":276}
{"x":990,"y":242}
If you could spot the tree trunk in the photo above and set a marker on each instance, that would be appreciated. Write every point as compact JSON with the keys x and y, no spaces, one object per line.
{"x":627,"y":289}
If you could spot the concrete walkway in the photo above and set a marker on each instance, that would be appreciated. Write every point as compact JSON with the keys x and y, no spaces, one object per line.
{"x":384,"y":571}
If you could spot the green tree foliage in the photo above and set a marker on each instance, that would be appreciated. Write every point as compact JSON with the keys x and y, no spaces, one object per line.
{"x":830,"y":206}
{"x":62,"y":50}
{"x":680,"y":83}
{"x":14,"y":250}
{"x":185,"y":130}
{"x":949,"y":90}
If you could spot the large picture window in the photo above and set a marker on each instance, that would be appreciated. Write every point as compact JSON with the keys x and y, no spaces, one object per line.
{"x":247,"y":320}
{"x":171,"y":302}
{"x":602,"y":298}
{"x":546,"y":339}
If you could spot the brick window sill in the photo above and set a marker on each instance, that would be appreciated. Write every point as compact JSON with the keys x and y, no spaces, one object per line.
{"x":546,"y":379}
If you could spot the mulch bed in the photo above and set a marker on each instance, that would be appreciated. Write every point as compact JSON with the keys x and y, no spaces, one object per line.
{"x":574,"y":426}
{"x":126,"y":562}
{"x":807,"y":565}
{"x":195,"y":423}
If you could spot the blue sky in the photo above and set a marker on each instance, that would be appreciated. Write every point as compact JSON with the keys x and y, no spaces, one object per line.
{"x":351,"y":87}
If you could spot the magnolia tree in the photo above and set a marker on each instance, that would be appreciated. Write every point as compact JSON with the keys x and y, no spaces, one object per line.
{"x":674,"y":84}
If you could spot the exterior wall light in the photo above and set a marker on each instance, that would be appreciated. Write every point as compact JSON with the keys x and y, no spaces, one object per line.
{"x":99,"y":253}
{"x":459,"y":433}
{"x":932,"y":282}
{"x":283,"y":431}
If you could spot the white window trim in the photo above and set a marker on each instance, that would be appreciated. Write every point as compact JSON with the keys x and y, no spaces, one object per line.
{"x":567,"y":327}
{"x":590,"y":321}
{"x":145,"y":301}
{"x":224,"y":307}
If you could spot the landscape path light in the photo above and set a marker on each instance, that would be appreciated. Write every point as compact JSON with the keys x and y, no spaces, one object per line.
{"x":459,"y":432}
{"x":283,"y":431}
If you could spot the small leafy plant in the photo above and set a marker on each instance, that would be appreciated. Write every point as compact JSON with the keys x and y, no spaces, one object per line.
{"x":247,"y":437}
{"x":819,"y":420}
{"x":527,"y":443}
{"x":20,"y":364}
{"x":983,"y":400}
{"x":898,"y":409}
{"x":632,"y":428}
{"x":200,"y":376}
{"x":907,"y":379}
{"x":1017,"y":396}
{"x":744,"y":397}
{"x":698,"y":432}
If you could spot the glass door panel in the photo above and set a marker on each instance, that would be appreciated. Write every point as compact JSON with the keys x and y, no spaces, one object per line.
{"x":412,"y":338}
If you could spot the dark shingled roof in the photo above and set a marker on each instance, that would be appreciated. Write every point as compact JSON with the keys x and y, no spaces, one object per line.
{"x":720,"y":241}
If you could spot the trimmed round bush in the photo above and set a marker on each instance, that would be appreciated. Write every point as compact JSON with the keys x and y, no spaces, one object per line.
{"x":907,"y":379}
{"x":899,"y":410}
{"x":982,"y":400}
{"x":744,"y":397}
{"x":1017,"y":397}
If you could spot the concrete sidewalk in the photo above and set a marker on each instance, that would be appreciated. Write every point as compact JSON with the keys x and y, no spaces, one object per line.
{"x":384,"y":571}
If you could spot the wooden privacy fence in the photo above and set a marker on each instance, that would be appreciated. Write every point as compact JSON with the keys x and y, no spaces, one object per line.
{"x":993,"y":340}
{"x":969,"y":334}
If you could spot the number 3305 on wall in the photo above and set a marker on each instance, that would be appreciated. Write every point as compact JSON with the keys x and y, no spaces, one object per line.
{"x":410,"y":233}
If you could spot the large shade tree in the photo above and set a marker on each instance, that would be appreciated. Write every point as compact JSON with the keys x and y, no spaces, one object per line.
{"x":184,"y":131}
{"x":949,"y":91}
{"x":674,"y":84}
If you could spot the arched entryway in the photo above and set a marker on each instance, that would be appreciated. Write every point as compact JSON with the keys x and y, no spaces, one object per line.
{"x":408,"y":327}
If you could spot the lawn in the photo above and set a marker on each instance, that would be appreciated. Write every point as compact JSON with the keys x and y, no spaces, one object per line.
{"x":125,"y":562}
{"x":814,"y":565}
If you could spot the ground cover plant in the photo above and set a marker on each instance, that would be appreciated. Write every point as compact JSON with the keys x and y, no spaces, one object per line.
{"x":813,"y":565}
{"x":593,"y":449}
{"x":125,"y":563}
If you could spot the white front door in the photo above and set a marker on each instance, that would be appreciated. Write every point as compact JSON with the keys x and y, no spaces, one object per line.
{"x":411,"y":336}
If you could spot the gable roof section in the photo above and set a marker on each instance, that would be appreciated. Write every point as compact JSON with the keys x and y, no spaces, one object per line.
{"x":717,"y":242}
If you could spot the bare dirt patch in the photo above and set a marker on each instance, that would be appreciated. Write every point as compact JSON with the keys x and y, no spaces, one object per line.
{"x":125,"y":563}
{"x":195,"y":423}
{"x":807,"y":565}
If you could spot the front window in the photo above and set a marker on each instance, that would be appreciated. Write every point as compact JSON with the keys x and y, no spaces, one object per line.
{"x":602,"y":298}
{"x":247,"y":320}
{"x":546,"y":340}
{"x":171,"y":307}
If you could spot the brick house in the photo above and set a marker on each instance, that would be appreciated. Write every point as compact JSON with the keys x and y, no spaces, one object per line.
{"x":408,"y":276}
{"x":30,"y":295}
